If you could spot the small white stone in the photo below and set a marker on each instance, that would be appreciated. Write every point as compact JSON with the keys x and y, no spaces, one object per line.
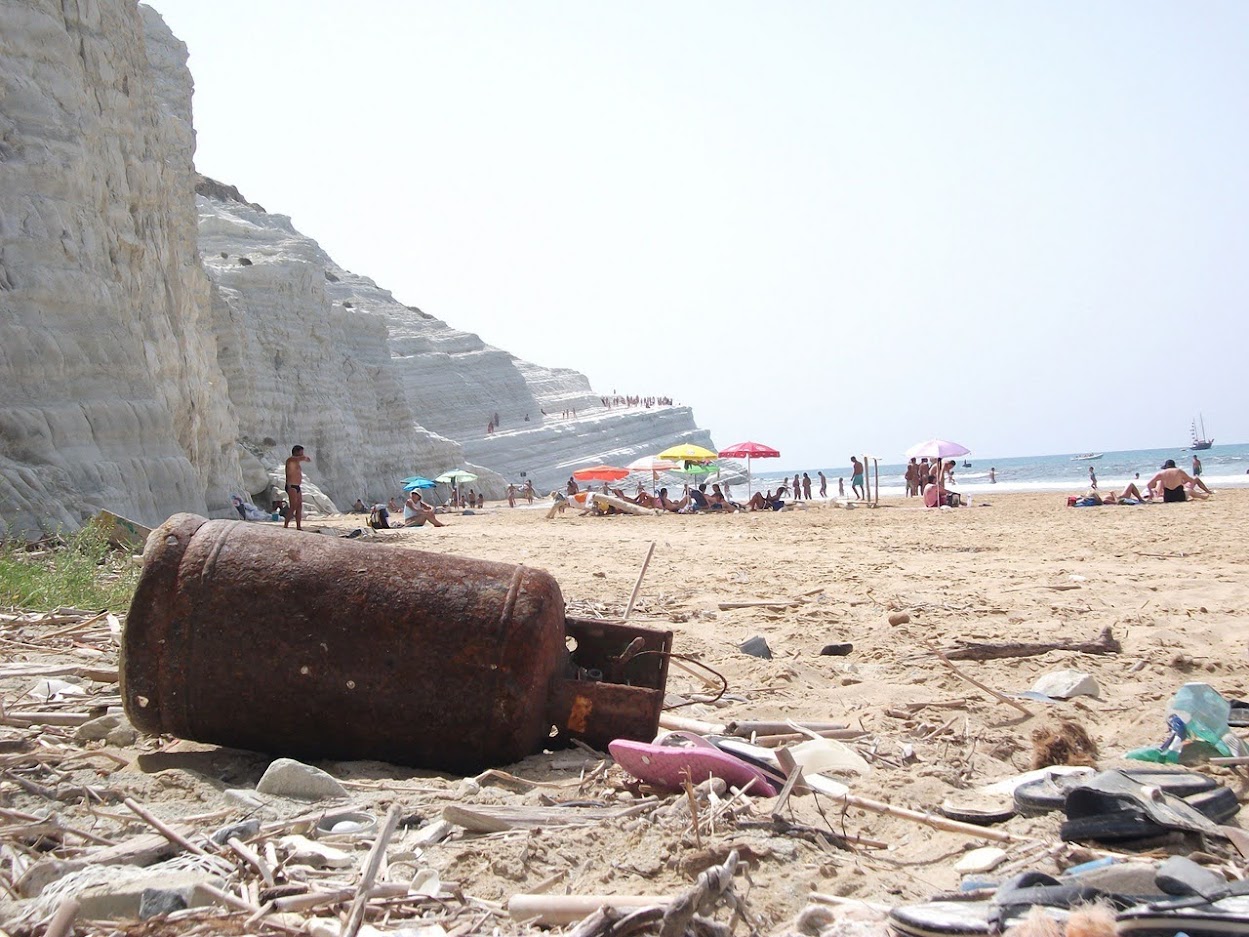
{"x":985,"y":859}
{"x":1064,"y":684}
{"x":287,"y":777}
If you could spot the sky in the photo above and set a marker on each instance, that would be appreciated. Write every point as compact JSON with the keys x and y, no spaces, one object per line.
{"x":826,"y":226}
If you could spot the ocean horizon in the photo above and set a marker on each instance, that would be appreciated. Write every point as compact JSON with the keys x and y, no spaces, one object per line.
{"x":1222,"y":466}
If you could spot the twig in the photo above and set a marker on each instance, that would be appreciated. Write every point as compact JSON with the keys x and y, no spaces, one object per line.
{"x":376,"y":855}
{"x":62,"y":922}
{"x":707,"y":890}
{"x":164,"y":829}
{"x":1001,"y":697}
{"x":638,"y":585}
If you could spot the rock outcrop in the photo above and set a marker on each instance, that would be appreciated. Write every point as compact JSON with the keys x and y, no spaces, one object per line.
{"x":136,"y":376}
{"x":110,"y":394}
{"x":395,"y":385}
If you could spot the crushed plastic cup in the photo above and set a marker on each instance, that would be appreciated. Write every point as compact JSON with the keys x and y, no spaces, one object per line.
{"x":1197,"y":729}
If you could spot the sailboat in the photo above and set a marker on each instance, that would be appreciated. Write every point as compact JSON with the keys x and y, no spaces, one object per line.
{"x":1200,"y":442}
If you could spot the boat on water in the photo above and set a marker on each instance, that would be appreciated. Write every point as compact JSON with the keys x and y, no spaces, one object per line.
{"x":1200,"y":441}
{"x":1086,"y":457}
{"x":966,"y":464}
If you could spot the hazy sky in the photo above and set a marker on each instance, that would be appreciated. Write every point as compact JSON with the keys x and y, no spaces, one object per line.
{"x":827,"y":226}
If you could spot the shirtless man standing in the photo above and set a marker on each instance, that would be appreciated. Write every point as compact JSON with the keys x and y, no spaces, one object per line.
{"x":856,"y":478}
{"x":294,"y":491}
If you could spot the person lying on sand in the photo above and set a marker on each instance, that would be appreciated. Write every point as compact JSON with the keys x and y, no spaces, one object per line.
{"x":719,"y":501}
{"x":768,"y":502}
{"x":668,"y":504}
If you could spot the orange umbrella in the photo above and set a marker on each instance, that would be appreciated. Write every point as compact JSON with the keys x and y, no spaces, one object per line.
{"x":600,"y":473}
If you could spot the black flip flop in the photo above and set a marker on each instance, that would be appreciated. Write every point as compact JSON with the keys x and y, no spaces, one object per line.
{"x":1228,"y":916}
{"x":1050,"y":793}
{"x":1112,"y":807}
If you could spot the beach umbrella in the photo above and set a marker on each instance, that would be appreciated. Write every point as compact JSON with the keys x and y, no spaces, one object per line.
{"x":600,"y":473}
{"x":418,"y":482}
{"x":455,"y":476}
{"x":936,"y":449}
{"x":748,"y":451}
{"x":654,"y":465}
{"x":696,"y":468}
{"x":687,"y":452}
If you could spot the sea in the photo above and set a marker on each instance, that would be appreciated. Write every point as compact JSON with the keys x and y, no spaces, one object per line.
{"x":1223,"y":466}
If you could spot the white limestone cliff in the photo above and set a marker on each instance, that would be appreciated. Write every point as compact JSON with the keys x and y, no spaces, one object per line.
{"x":109,"y":390}
{"x":299,"y":321}
{"x":138,"y":378}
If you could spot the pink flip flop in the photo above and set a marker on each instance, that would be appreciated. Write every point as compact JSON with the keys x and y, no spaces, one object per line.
{"x":681,"y":755}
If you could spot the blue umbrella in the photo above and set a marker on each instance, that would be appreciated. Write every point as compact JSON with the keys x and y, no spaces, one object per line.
{"x":416,"y":481}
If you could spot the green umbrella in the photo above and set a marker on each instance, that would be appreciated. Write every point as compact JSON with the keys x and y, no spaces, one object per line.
{"x":697,"y":468}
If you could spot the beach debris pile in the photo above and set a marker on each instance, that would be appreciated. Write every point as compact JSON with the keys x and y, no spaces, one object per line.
{"x":699,"y":831}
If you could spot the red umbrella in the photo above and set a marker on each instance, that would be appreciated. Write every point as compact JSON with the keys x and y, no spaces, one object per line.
{"x":748,"y":451}
{"x":600,"y":473}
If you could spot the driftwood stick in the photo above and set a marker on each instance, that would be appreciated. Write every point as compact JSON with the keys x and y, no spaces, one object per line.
{"x":745,"y":728}
{"x":555,"y":910}
{"x":252,"y":858}
{"x":707,"y":890}
{"x":686,"y":724}
{"x":1000,"y":697}
{"x":62,"y":922}
{"x":1104,"y":643}
{"x":929,"y":819}
{"x":638,"y":585}
{"x":376,"y":855}
{"x":163,"y":828}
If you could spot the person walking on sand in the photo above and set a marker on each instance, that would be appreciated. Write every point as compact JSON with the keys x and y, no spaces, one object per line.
{"x":856,"y":478}
{"x":294,"y":486}
{"x":823,"y":485}
{"x":806,"y":486}
{"x":1092,"y":478}
{"x":511,"y":496}
{"x":529,"y":490}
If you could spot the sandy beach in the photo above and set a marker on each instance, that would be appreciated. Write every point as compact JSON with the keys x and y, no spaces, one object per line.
{"x":1168,"y":580}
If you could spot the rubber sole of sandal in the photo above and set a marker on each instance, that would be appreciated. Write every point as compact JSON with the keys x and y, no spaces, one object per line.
{"x":1219,"y":805}
{"x":1048,"y":794}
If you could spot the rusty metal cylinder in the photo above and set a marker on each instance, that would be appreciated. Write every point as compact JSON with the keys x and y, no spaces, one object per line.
{"x":318,"y":647}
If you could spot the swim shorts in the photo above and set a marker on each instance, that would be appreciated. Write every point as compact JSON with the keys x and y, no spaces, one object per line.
{"x":856,"y":479}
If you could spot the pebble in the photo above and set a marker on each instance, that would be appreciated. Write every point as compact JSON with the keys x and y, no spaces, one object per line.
{"x":984,"y":859}
{"x":287,"y":777}
{"x":899,"y":618}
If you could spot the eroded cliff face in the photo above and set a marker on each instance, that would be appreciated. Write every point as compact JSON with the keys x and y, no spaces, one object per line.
{"x":394,"y":381}
{"x":110,"y":394}
{"x":304,"y":369}
{"x":137,"y":377}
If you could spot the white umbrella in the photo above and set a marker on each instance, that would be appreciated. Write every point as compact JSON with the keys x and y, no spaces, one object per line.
{"x":936,"y":449}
